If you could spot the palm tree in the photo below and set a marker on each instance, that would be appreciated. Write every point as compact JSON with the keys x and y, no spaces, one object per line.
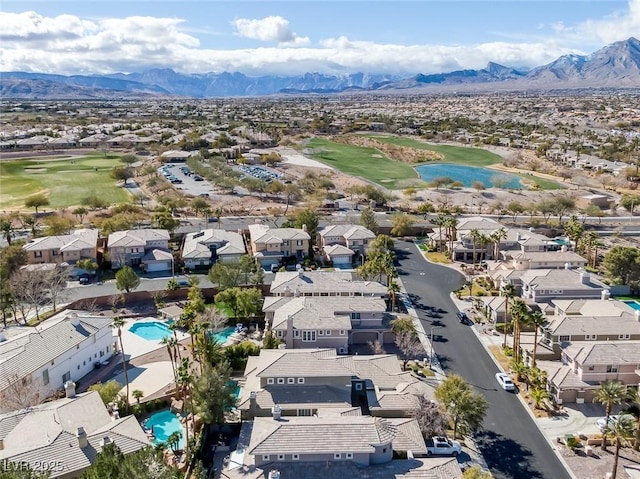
{"x":474,"y":234}
{"x":483,"y":240}
{"x":539,"y":395}
{"x":169,"y":342}
{"x":519,"y":369}
{"x":439,"y":222}
{"x":609,"y":394}
{"x":622,"y":430}
{"x":118,"y":323}
{"x":536,"y":319}
{"x":393,"y":290}
{"x":185,"y":379}
{"x":496,"y":237}
{"x":450,"y":223}
{"x":519,"y":311}
{"x":508,"y":291}
{"x":634,"y":410}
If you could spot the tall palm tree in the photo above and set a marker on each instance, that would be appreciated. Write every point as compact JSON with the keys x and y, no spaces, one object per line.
{"x":118,"y":323}
{"x":508,"y":291}
{"x":634,"y":410}
{"x":496,"y":237}
{"x":169,"y":342}
{"x":439,"y":222}
{"x":536,"y":319}
{"x":451,"y":223}
{"x":483,"y":240}
{"x":185,"y":380}
{"x":474,"y":234}
{"x":609,"y":394}
{"x":393,"y":290}
{"x":622,"y":430}
{"x":519,"y":312}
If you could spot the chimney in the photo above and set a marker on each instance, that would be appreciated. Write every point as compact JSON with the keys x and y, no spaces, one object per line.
{"x":104,"y":441}
{"x":82,"y":437}
{"x":304,"y":228}
{"x":276,"y":411}
{"x":289,"y":336}
{"x":70,"y":389}
{"x":300,"y":273}
{"x":253,"y":404}
{"x":605,"y":294}
{"x":585,"y":278}
{"x":567,"y":266}
{"x":73,"y":319}
{"x":518,"y":236}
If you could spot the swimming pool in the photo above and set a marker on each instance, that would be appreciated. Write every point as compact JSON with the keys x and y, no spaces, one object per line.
{"x":163,"y":423}
{"x":151,"y":330}
{"x":468,"y":174}
{"x":634,"y":304}
{"x":223,"y":335}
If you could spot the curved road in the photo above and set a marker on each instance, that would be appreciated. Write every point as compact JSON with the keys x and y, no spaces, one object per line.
{"x":510,"y":441}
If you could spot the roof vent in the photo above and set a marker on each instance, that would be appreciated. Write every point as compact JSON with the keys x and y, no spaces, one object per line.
{"x":276,"y":411}
{"x":70,"y":389}
{"x":104,"y":441}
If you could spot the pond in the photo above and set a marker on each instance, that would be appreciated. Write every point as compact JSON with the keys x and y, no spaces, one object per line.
{"x":468,"y":174}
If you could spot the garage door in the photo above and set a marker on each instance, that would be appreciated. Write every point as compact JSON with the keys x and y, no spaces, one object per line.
{"x":363,"y":337}
{"x":159,"y":266}
{"x":342,"y":260}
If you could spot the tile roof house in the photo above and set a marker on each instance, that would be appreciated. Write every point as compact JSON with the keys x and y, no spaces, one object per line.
{"x":340,"y":243}
{"x":147,"y":248}
{"x":64,"y":436}
{"x":271,"y":245}
{"x":204,"y":248}
{"x":81,"y":244}
{"x":61,"y":349}
{"x":302,"y":382}
{"x":542,"y":285}
{"x":324,"y":283}
{"x":314,"y":321}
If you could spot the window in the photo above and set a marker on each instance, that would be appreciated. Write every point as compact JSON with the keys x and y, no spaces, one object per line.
{"x":358,"y":386}
{"x":66,"y":377}
{"x":291,"y":380}
{"x":384,"y":449}
{"x":321,"y":332}
{"x":337,"y":455}
{"x":101,"y":353}
{"x":342,"y":332}
{"x":280,"y":457}
{"x":300,"y":380}
{"x":305,"y":412}
{"x":296,"y":334}
{"x":265,"y":457}
{"x":279,"y":333}
{"x":591,"y":368}
{"x":78,"y":367}
{"x":107,"y":348}
{"x":590,"y":337}
{"x":269,"y":380}
{"x":624,"y":336}
{"x":45,"y":377}
{"x":295,"y":457}
{"x":37,"y":254}
{"x":355,"y":315}
{"x":612,"y":369}
{"x":84,"y":363}
{"x":564,"y":338}
{"x":327,"y":332}
{"x":308,"y":335}
{"x":280,"y":380}
{"x":299,"y":242}
{"x":285,"y":242}
{"x":349,"y":455}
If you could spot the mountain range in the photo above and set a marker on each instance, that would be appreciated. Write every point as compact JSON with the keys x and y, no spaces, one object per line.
{"x":615,"y":66}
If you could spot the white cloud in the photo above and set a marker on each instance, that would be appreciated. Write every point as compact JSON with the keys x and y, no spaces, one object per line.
{"x":69,"y":44}
{"x":269,"y":29}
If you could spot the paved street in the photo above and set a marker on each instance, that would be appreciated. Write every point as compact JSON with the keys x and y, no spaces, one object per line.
{"x":509,"y":441}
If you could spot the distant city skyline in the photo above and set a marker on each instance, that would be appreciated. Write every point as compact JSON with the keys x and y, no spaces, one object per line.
{"x":294,"y":37}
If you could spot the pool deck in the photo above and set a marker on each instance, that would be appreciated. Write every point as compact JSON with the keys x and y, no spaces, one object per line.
{"x":149,"y":378}
{"x":135,"y":346}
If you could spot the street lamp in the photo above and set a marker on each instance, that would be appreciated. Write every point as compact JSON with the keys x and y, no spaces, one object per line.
{"x":431,"y":352}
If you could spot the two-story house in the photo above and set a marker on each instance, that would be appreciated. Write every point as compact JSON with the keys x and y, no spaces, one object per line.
{"x":61,"y":349}
{"x":336,"y":322}
{"x":544,"y":285}
{"x":341,"y":243}
{"x":272,"y":245}
{"x":81,"y":244}
{"x":324,"y":283}
{"x":64,"y":437}
{"x":203,"y":248}
{"x":146,"y":248}
{"x":304,"y":382}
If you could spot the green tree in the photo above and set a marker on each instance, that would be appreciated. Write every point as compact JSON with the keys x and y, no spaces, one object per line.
{"x":622,"y":265}
{"x":634,"y":410}
{"x":57,"y":225}
{"x":244,"y":303}
{"x":402,"y":225}
{"x":94,"y":202}
{"x":200,"y":206}
{"x":164,"y":220}
{"x":137,"y":395}
{"x":108,"y":391}
{"x":117,"y":324}
{"x":80,"y":212}
{"x":232,"y":273}
{"x":465,"y":408}
{"x":37,"y":201}
{"x":88,"y":265}
{"x":574,"y":230}
{"x":6,"y":228}
{"x":539,"y":395}
{"x":609,"y":394}
{"x":368,"y":220}
{"x":127,"y":279}
{"x":536,"y":319}
{"x":122,"y":173}
{"x":214,"y":393}
{"x":622,"y":431}
{"x":629,"y":203}
{"x":146,"y":463}
{"x":309,"y":219}
{"x":425,"y":208}
{"x":129,"y":159}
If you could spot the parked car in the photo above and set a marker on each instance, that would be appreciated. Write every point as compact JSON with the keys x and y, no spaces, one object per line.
{"x":440,"y":445}
{"x":84,"y":279}
{"x":601,"y":422}
{"x":505,"y":382}
{"x":463,"y":318}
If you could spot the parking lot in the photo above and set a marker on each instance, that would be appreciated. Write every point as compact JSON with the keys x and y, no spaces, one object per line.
{"x":260,"y":173}
{"x":184,"y":179}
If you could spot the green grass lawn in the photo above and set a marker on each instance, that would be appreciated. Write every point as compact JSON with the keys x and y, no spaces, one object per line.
{"x":367,"y":163}
{"x":543,"y":183}
{"x":65,"y":181}
{"x":452,"y":154}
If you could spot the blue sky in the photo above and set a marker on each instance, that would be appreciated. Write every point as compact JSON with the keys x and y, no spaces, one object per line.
{"x":292,"y":37}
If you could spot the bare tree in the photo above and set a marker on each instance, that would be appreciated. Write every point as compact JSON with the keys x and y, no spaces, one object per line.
{"x":56,"y":282}
{"x":409,"y":346}
{"x":214,"y":319}
{"x":19,"y":394}
{"x":90,"y":305}
{"x":376,"y":347}
{"x":29,"y":291}
{"x":432,"y":421}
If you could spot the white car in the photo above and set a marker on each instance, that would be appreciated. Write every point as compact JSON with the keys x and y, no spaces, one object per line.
{"x":601,"y":422}
{"x":505,"y":382}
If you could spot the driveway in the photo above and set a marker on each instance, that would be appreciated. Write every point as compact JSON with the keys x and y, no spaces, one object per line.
{"x":510,"y":441}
